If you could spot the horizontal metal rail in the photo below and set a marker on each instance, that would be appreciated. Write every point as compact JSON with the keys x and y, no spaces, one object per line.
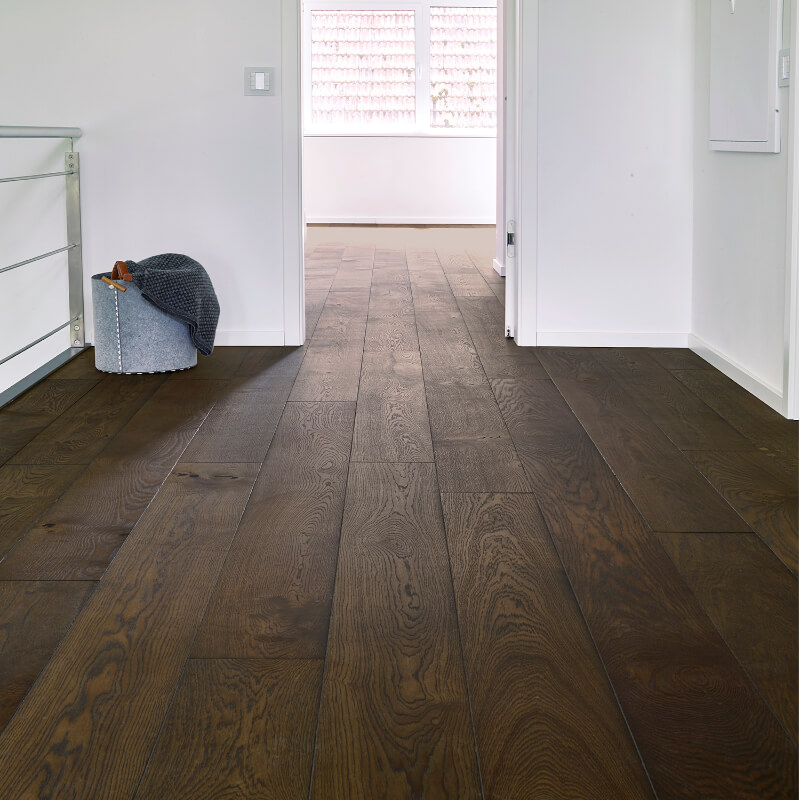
{"x":37,"y":258}
{"x":40,"y":339}
{"x":33,"y":177}
{"x":38,"y":132}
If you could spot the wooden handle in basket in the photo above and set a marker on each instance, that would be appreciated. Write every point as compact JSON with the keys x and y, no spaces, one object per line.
{"x":120,"y":272}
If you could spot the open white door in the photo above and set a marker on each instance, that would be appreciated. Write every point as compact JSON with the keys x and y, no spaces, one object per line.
{"x":517,"y":165}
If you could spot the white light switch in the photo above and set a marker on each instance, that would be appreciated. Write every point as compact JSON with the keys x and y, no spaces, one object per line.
{"x":259,"y":80}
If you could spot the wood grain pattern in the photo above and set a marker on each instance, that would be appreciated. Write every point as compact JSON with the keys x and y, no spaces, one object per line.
{"x":463,"y":277}
{"x":394,"y":716}
{"x":332,"y":363}
{"x":473,"y":449}
{"x":220,"y":365}
{"x":677,"y":682}
{"x":238,"y":429}
{"x":670,"y":494}
{"x":268,"y":369}
{"x":315,"y":302}
{"x":392,"y":413}
{"x":84,"y":429}
{"x":500,"y":357}
{"x":78,"y":535}
{"x":767,"y":429}
{"x":294,"y":515}
{"x":34,"y":616}
{"x":678,"y":358}
{"x":685,"y":419}
{"x":26,"y":492}
{"x":329,"y":372}
{"x":546,"y":720}
{"x":448,"y":354}
{"x":103,"y":695}
{"x":239,"y":729}
{"x":752,"y":600}
{"x":391,"y":334}
{"x":764,"y":500}
{"x":32,"y":412}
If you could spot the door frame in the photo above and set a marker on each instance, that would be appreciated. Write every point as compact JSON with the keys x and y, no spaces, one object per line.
{"x":519,"y":84}
{"x":520,"y":174}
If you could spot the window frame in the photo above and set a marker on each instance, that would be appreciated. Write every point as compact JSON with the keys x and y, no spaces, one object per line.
{"x":422,"y":56}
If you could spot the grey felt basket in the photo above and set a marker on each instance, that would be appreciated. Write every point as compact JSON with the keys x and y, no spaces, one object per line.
{"x":133,"y":336}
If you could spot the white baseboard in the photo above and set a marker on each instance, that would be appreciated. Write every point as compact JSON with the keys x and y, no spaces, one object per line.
{"x":249,"y":338}
{"x":610,"y":339}
{"x":499,"y":268}
{"x":399,"y":221}
{"x":764,"y":391}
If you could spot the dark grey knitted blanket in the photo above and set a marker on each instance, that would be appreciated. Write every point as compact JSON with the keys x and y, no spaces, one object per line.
{"x":180,"y":287}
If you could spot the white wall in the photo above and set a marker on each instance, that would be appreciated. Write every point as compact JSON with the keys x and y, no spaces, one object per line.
{"x":740,"y":208}
{"x":615,"y":83}
{"x":395,"y":179}
{"x":174,"y":157}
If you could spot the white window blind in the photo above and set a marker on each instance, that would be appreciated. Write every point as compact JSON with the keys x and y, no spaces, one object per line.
{"x":411,"y":67}
{"x":363,"y":68}
{"x":463,"y":69}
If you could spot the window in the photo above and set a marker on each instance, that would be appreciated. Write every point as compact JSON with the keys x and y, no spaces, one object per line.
{"x":405,"y":68}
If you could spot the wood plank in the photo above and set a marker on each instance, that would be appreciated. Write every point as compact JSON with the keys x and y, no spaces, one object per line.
{"x":670,"y":494}
{"x":678,"y":358}
{"x":26,"y":492}
{"x":484,"y":265}
{"x":767,"y":503}
{"x":237,"y":728}
{"x":268,"y":369}
{"x":238,"y":429}
{"x":343,"y":319}
{"x":391,"y":334}
{"x":79,"y":534}
{"x":80,"y":367}
{"x":474,"y":452}
{"x":677,"y":682}
{"x":546,"y":720}
{"x":34,"y":616}
{"x":351,"y":280}
{"x":102,"y":697}
{"x":394,"y":716}
{"x":685,"y":419}
{"x":314,"y":304}
{"x":448,"y":354}
{"x":220,"y":365}
{"x":329,"y":373}
{"x":26,"y":417}
{"x":501,"y":357}
{"x":752,"y":600}
{"x":319,"y":283}
{"x":294,"y":514}
{"x":392,"y":413}
{"x":85,"y":428}
{"x":463,"y":277}
{"x":767,"y":429}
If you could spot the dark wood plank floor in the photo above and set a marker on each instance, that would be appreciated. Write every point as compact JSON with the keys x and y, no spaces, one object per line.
{"x":406,"y":560}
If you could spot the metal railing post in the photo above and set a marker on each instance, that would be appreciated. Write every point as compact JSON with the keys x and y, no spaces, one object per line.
{"x":75,"y":253}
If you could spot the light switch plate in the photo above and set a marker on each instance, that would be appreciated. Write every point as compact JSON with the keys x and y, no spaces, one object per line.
{"x":257,"y":77}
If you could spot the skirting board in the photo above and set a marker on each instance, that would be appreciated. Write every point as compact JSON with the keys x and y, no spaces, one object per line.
{"x":768,"y":394}
{"x":499,"y":268}
{"x":610,"y":339}
{"x":249,"y":338}
{"x":455,"y":221}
